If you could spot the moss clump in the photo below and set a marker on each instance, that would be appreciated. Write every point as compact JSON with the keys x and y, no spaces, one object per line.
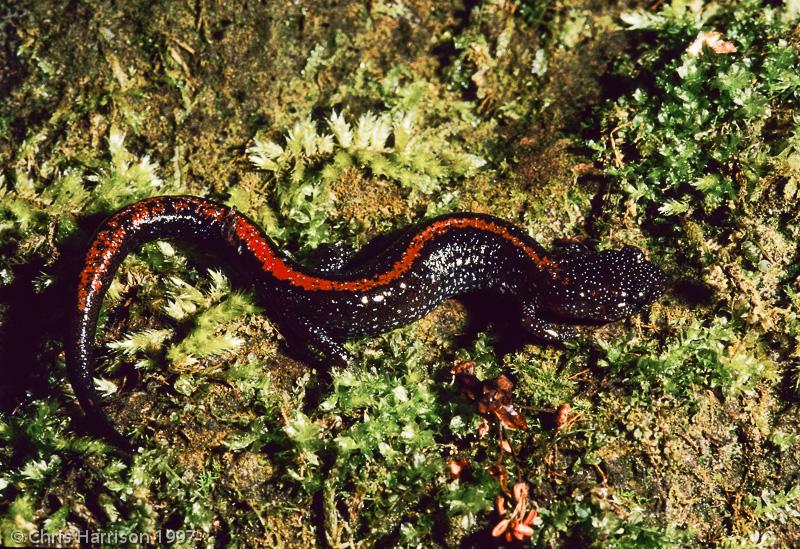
{"x":334,"y":123}
{"x":389,"y":146}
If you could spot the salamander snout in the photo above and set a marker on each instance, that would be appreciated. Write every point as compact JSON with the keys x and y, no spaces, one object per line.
{"x":604,"y":286}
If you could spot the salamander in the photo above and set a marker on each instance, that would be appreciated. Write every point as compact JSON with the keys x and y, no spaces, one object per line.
{"x":395,"y":285}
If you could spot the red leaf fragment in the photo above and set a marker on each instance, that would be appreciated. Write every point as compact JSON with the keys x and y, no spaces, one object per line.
{"x":457,"y":466}
{"x":511,"y":418}
{"x":520,"y":491}
{"x":531,"y":517}
{"x":562,"y":415}
{"x":501,"y":505}
{"x":521,"y":531}
{"x":501,"y":527}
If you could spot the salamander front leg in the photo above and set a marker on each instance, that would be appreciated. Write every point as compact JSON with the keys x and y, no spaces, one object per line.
{"x":545,"y":330}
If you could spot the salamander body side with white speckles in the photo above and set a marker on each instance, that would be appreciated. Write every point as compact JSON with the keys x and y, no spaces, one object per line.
{"x":427,"y":264}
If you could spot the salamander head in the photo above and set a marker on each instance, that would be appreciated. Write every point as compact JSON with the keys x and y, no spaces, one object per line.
{"x":603,"y":286}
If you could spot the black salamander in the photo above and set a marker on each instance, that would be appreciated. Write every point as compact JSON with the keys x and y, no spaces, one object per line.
{"x":440,"y":258}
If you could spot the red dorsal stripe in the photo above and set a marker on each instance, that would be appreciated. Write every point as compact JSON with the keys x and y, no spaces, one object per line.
{"x":272,"y":263}
{"x":109,"y":240}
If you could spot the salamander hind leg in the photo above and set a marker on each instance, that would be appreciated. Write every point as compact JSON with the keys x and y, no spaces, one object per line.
{"x":543,"y":329}
{"x":320,"y":347}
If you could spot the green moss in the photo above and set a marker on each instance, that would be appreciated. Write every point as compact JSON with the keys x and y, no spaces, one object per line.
{"x":389,"y":146}
{"x":570,"y":119}
{"x":717,"y":357}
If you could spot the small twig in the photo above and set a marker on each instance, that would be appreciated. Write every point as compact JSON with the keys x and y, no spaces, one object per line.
{"x":182,"y":44}
{"x":576,"y":374}
{"x":603,"y":478}
{"x":688,"y":441}
{"x":617,"y":155}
